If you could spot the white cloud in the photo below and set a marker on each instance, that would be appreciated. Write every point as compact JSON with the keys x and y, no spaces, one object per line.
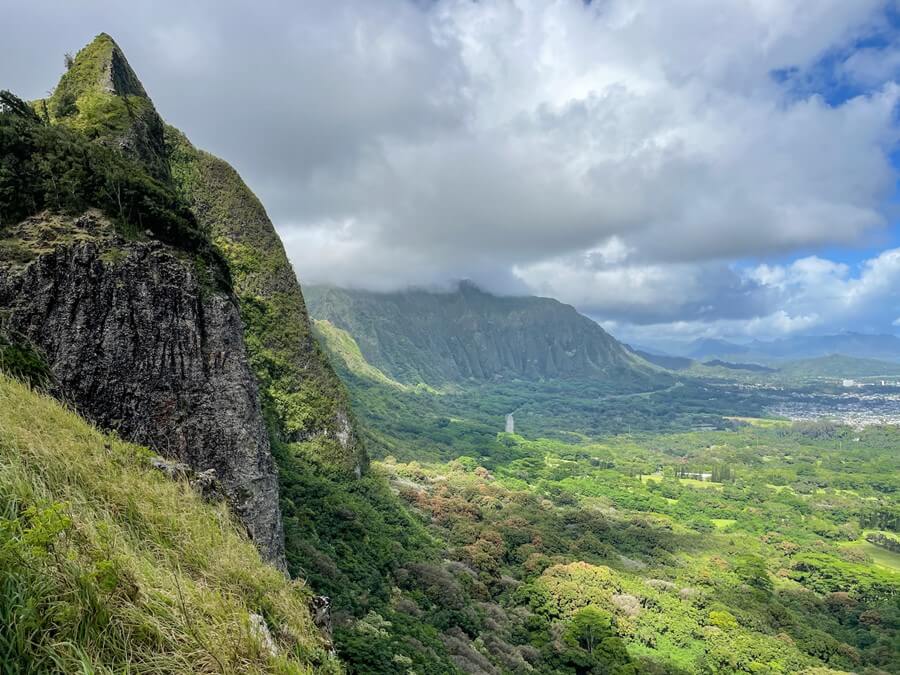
{"x":619,"y":154}
{"x":660,"y":128}
{"x":810,"y":293}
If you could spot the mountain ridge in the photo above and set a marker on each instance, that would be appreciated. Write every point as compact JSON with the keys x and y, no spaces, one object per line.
{"x":467,"y":334}
{"x":883,"y":346}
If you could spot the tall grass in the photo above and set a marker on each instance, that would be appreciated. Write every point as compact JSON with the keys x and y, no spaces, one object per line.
{"x":106,"y":565}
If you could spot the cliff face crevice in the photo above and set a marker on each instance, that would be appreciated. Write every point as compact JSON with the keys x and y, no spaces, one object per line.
{"x":139,"y":339}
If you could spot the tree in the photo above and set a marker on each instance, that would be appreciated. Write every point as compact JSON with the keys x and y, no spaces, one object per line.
{"x":752,"y":571}
{"x":590,"y":645}
{"x":588,"y":627}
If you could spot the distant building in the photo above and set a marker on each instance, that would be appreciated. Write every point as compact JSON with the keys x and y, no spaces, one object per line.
{"x":510,"y":424}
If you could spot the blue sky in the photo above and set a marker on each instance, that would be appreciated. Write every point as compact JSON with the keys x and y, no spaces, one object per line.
{"x":827,"y":79}
{"x":675,"y":170}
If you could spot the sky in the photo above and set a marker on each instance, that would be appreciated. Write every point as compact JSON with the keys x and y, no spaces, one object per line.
{"x":675,"y":170}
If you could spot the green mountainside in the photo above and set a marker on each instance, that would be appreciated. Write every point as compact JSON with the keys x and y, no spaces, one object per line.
{"x":468,"y":335}
{"x":304,"y":400}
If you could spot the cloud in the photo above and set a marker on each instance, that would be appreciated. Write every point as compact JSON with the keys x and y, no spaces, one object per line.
{"x":620,"y":154}
{"x":646,"y":293}
{"x":808,"y":294}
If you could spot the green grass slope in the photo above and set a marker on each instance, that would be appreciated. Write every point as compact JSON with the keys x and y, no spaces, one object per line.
{"x":339,"y":344}
{"x":107,"y":565}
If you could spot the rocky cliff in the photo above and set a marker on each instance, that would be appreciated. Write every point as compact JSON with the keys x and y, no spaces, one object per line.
{"x":139,"y":339}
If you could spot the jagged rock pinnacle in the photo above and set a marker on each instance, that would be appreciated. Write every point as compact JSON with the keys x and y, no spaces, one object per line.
{"x":100,"y":95}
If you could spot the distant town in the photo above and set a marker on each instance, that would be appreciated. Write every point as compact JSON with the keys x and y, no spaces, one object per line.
{"x":857,"y":408}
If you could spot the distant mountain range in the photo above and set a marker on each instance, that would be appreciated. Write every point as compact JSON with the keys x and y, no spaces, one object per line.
{"x":710,"y":347}
{"x":858,"y":345}
{"x":419,"y":336}
{"x":666,"y":361}
{"x":838,"y":365}
{"x":469,"y":335}
{"x":751,"y":367}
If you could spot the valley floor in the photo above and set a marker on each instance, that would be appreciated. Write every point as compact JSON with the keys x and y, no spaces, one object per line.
{"x":669,"y":531}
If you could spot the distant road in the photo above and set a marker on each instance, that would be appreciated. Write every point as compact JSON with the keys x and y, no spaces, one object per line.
{"x":641,"y":394}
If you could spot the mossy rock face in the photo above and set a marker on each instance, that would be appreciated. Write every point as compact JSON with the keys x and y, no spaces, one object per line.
{"x":101,"y":96}
{"x":303,"y":398}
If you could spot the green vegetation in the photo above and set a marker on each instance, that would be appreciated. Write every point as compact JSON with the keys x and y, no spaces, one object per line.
{"x":110,"y":566}
{"x":100,"y":96}
{"x":695,"y":543}
{"x":92,"y":73}
{"x":50,"y":167}
{"x":741,"y":578}
{"x":341,"y":345}
{"x":20,"y":360}
{"x":305,"y":402}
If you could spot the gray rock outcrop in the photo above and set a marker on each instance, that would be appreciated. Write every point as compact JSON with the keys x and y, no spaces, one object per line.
{"x":140,"y":340}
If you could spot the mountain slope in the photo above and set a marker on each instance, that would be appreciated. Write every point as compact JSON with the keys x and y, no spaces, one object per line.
{"x":663,"y":360}
{"x":111,"y":566}
{"x":303,"y":397}
{"x":707,"y":347}
{"x":469,"y":335}
{"x":149,"y":278}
